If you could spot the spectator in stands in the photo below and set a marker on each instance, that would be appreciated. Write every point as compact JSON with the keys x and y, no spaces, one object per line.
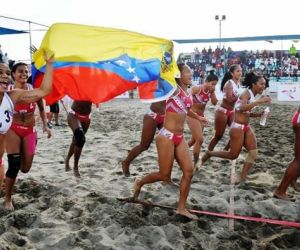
{"x":5,"y":59}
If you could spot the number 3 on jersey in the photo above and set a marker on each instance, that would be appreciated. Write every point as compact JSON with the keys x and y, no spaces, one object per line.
{"x":6,"y":112}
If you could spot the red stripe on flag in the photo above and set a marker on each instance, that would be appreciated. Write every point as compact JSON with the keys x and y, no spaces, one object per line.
{"x":90,"y":84}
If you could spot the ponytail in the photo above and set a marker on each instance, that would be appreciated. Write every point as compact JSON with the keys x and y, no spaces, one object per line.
{"x":211,"y":76}
{"x":228,"y":75}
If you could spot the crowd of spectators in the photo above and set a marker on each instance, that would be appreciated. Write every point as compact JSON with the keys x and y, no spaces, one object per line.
{"x":275,"y":64}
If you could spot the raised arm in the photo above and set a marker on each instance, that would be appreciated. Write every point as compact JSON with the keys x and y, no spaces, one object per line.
{"x":25,"y":96}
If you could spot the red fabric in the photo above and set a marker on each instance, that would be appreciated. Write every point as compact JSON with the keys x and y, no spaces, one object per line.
{"x":295,"y":118}
{"x":85,"y":86}
{"x":22,"y":131}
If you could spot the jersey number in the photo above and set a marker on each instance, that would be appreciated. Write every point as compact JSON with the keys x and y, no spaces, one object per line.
{"x":7,"y":116}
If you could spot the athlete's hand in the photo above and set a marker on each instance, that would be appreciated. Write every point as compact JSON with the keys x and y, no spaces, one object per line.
{"x":203,"y":120}
{"x":48,"y":131}
{"x":48,"y":57}
{"x":265,"y":99}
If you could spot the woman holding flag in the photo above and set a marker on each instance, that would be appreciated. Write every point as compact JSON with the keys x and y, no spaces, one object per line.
{"x":9,"y":103}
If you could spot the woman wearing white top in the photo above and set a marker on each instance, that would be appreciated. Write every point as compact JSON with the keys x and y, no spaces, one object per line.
{"x":240,"y":132}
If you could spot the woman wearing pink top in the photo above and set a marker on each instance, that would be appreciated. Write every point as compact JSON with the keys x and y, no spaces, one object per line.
{"x":202,"y":94}
{"x":171,"y":144}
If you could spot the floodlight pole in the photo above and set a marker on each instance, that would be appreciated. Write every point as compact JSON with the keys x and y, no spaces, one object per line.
{"x":220,"y":18}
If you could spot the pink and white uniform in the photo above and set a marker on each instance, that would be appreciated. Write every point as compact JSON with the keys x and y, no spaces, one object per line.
{"x":235,"y":89}
{"x":238,"y":102}
{"x":159,"y":118}
{"x":201,"y":97}
{"x":235,"y":92}
{"x":180,"y":103}
{"x":244,"y":127}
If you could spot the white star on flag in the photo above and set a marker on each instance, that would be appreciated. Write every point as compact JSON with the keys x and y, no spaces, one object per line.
{"x":121,"y":62}
{"x":131,"y":70}
{"x":136,"y":79}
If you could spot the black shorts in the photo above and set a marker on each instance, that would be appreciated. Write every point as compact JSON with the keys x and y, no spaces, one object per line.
{"x":54,"y":108}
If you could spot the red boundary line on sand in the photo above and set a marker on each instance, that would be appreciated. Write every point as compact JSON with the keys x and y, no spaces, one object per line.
{"x":222,"y":215}
{"x":249,"y":218}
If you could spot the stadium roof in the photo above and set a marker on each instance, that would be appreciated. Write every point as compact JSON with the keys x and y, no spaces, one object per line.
{"x":6,"y":31}
{"x":240,"y":39}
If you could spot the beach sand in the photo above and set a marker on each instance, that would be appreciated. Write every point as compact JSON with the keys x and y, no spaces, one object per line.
{"x":55,"y":210}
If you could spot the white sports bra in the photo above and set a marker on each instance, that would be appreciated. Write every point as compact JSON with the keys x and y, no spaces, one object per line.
{"x":235,"y":89}
{"x":6,"y":113}
{"x":238,"y":102}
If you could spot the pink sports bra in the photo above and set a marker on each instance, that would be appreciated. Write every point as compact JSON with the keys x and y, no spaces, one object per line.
{"x":179,"y":103}
{"x":24,"y":108}
{"x":202,"y":97}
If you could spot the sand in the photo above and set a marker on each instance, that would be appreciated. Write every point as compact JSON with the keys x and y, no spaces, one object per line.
{"x":55,"y":210}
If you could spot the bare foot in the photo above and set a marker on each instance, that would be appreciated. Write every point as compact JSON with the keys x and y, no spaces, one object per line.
{"x":170,"y":182}
{"x":282,"y":196}
{"x":239,"y":180}
{"x":9,"y":206}
{"x":67,"y":166}
{"x":198,"y":165}
{"x":76,"y":172}
{"x":295,"y":186}
{"x":125,"y":169}
{"x":205,"y":157}
{"x":186,"y":213}
{"x":137,"y":188}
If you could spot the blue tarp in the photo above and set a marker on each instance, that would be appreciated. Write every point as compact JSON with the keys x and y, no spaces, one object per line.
{"x":240,"y":39}
{"x":6,"y":31}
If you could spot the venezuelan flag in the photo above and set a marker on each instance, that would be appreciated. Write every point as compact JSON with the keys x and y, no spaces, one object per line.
{"x":96,"y":64}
